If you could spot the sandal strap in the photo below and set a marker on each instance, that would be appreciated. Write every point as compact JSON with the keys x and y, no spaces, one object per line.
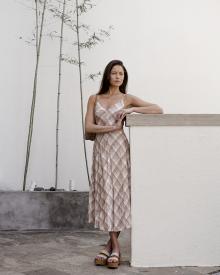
{"x":104,"y":252}
{"x":115,"y":254}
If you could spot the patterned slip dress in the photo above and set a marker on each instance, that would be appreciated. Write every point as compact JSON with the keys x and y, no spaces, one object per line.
{"x":109,"y":195}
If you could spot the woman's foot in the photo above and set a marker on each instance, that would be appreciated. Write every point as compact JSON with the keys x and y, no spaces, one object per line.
{"x":101,"y":258}
{"x":113,"y":260}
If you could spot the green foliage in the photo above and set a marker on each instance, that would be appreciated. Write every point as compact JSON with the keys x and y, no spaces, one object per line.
{"x":91,"y":37}
{"x":73,"y":61}
{"x":69,"y":16}
{"x":85,"y":6}
{"x":94,"y":75}
{"x":94,"y":39}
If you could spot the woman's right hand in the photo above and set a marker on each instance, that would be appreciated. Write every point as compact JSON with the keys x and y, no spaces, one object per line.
{"x":118,"y":125}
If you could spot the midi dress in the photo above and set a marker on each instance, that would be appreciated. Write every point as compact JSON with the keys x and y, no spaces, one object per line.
{"x":109,"y":194}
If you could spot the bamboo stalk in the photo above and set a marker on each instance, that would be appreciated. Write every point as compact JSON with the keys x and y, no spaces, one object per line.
{"x":58,"y":94}
{"x":36,"y":15}
{"x":81,"y":89}
{"x":30,"y":131}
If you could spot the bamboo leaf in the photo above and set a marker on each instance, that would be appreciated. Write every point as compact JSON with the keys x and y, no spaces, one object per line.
{"x":94,"y":76}
{"x":72,"y":60}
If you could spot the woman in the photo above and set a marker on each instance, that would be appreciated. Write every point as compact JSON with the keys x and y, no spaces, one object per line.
{"x":109,"y":196}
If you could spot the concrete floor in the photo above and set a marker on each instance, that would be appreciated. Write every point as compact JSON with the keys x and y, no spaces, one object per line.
{"x":65,"y":252}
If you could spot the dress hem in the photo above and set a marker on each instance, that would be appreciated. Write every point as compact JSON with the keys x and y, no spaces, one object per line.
{"x":110,"y":230}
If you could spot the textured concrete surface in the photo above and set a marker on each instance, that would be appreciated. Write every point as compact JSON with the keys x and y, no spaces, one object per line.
{"x":43,"y":210}
{"x":71,"y":252}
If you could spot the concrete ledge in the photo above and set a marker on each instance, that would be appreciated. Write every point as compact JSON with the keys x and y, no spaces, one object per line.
{"x":173,"y":120}
{"x":43,"y":210}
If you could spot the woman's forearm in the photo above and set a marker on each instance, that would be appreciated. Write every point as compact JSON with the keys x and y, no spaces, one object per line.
{"x":153,"y":109}
{"x":101,"y":129}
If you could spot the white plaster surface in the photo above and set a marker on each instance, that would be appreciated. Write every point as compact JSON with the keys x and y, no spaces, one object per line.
{"x":170,"y":49}
{"x":175,"y":196}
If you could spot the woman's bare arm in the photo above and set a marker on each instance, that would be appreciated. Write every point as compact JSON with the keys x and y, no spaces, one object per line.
{"x":138,"y":105}
{"x":141,"y":106}
{"x":90,"y":125}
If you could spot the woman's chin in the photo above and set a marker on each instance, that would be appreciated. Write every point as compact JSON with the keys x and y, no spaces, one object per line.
{"x":116,"y":84}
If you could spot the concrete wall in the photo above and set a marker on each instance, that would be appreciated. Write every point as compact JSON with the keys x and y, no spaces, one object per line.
{"x":175,"y":191}
{"x":171,"y":51}
{"x":43,"y":210}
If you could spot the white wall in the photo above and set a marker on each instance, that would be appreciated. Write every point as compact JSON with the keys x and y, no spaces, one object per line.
{"x":170,"y":48}
{"x":175,"y":196}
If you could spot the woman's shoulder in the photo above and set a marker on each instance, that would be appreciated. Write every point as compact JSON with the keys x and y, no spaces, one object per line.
{"x":93,"y":97}
{"x":128,"y":97}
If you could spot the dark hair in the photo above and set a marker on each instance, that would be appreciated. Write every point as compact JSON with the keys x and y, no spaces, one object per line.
{"x":106,"y":77}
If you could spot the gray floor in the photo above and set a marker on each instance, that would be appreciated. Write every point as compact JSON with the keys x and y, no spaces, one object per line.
{"x":65,"y":252}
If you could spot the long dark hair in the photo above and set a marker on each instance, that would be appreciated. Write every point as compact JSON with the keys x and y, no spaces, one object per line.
{"x":106,"y":77}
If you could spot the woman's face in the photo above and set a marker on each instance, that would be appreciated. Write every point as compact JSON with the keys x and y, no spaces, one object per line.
{"x":117,"y":76}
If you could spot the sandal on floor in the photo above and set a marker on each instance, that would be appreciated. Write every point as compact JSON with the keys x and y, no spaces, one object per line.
{"x":113,"y":260}
{"x":101,"y":258}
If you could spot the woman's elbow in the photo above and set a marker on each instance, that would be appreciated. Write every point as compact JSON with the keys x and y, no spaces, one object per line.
{"x":88,"y":128}
{"x":160,"y":110}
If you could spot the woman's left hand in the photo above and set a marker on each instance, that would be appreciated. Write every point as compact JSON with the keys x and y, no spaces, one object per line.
{"x":122,"y":113}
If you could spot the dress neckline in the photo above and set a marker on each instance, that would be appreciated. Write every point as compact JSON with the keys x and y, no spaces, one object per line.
{"x":113,"y":105}
{"x":110,"y":107}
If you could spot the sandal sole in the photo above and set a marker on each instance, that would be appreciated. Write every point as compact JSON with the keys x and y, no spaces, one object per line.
{"x":115,"y":265}
{"x":100,"y":263}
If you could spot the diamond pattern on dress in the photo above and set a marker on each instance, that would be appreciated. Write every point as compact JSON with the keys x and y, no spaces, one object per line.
{"x":109,"y":195}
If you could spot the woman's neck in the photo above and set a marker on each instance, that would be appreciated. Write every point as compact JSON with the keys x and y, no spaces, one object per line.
{"x":113,"y":91}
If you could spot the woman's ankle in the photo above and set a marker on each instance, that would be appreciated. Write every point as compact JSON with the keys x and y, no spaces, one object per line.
{"x":115,"y":249}
{"x":108,"y":247}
